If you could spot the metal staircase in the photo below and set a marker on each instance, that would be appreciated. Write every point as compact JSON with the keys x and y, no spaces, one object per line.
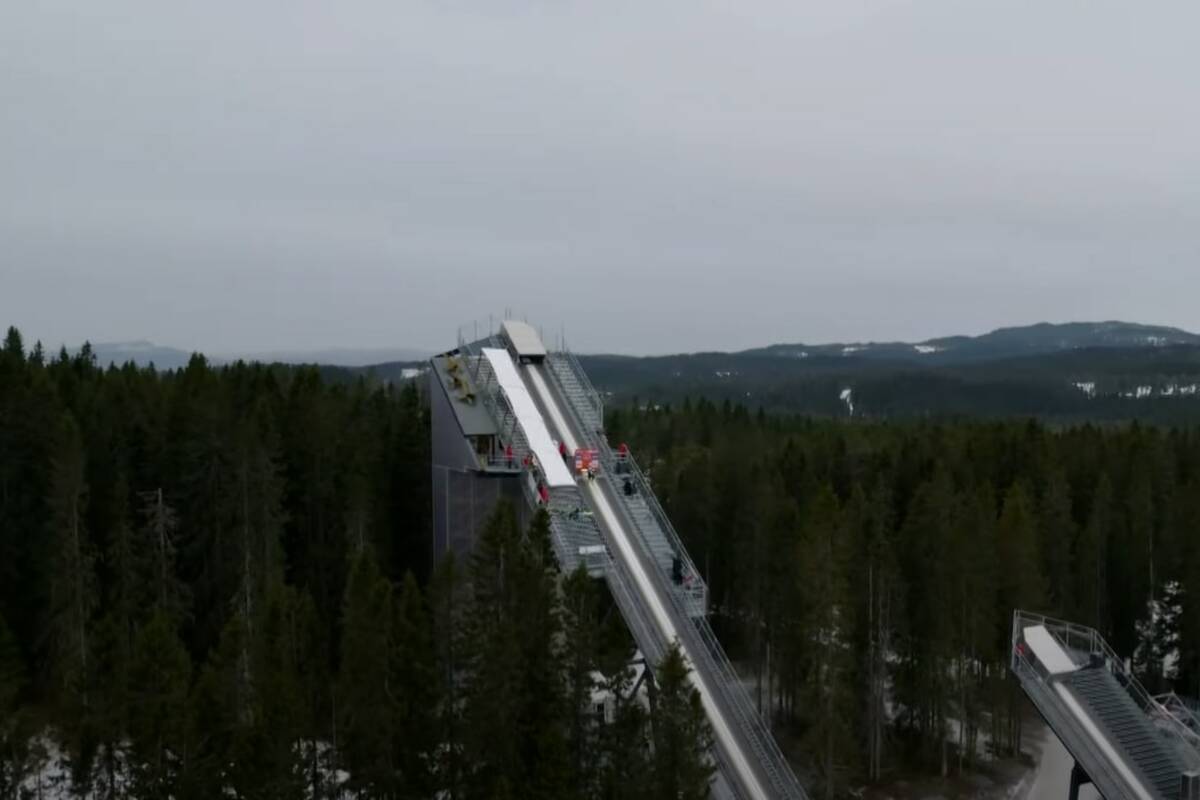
{"x":578,"y":390}
{"x":1137,"y":736}
{"x":632,"y":488}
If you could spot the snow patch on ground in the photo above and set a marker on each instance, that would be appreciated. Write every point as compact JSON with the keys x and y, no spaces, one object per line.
{"x":851,"y":348}
{"x":49,"y":771}
{"x":1143,"y":392}
{"x":408,"y":373}
{"x":51,"y":778}
{"x":1183,"y":391}
{"x":847,"y":397}
{"x":926,"y":349}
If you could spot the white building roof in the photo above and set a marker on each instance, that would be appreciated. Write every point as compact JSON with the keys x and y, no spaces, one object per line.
{"x":1048,"y":651}
{"x":529,"y":418}
{"x":524,"y":338}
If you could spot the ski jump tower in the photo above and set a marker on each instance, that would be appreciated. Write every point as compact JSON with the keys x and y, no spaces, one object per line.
{"x":499,"y":405}
{"x":1129,"y":745}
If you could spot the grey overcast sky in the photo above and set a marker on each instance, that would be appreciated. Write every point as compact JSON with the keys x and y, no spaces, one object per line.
{"x":656,"y":175}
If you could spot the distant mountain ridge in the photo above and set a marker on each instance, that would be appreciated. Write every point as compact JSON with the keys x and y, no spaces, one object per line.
{"x":1103,"y":371}
{"x":144,"y":353}
{"x":1030,"y":340}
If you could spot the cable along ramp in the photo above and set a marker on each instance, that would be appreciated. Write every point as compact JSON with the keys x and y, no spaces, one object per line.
{"x":656,"y":587}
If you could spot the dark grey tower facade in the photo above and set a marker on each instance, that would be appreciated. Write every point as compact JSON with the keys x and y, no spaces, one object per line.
{"x":471,"y":472}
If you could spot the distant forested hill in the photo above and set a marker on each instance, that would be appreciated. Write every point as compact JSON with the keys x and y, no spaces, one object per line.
{"x":1101,"y":372}
{"x":1041,"y":339}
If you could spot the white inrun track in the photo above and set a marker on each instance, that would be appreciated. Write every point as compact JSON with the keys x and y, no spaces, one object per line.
{"x":729,"y":743}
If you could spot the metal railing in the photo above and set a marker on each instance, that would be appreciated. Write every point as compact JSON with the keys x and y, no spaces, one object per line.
{"x":589,"y":391}
{"x":697,"y":592}
{"x":1183,"y":713}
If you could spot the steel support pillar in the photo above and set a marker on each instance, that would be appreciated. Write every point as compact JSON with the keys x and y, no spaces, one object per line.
{"x":1078,"y":778}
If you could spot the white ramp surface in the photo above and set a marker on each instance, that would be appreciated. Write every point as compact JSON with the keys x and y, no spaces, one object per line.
{"x":646,"y":587}
{"x":529,"y":418}
{"x":1048,"y":651}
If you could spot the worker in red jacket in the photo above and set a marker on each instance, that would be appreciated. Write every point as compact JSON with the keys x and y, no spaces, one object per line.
{"x":508,"y":455}
{"x":543,"y":493}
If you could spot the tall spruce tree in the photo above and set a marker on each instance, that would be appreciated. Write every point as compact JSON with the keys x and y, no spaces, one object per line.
{"x":160,"y":674}
{"x":828,"y":624}
{"x":624,"y":769}
{"x":515,"y":688}
{"x":364,"y":719}
{"x":412,"y":693}
{"x":682,"y":767}
{"x":13,"y":731}
{"x":73,"y":598}
{"x":1091,"y":559}
{"x":581,"y":643}
{"x":449,"y":606}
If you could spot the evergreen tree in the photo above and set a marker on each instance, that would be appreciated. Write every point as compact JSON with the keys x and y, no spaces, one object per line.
{"x":160,"y":523}
{"x":14,"y":347}
{"x":624,"y":742}
{"x":681,"y":766}
{"x":927,"y":648}
{"x":282,"y":723}
{"x":1091,"y":560}
{"x":972,"y":605}
{"x":220,"y":714}
{"x":515,"y":690}
{"x":581,"y":640}
{"x":413,"y":696}
{"x":869,"y":522}
{"x":827,"y":609}
{"x":158,"y":708}
{"x":543,"y":709}
{"x":1020,"y":585}
{"x":364,"y":728}
{"x":72,"y":594}
{"x":449,"y":604}
{"x":13,"y":733}
{"x":1056,"y":534}
{"x":114,"y":636}
{"x":492,"y":742}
